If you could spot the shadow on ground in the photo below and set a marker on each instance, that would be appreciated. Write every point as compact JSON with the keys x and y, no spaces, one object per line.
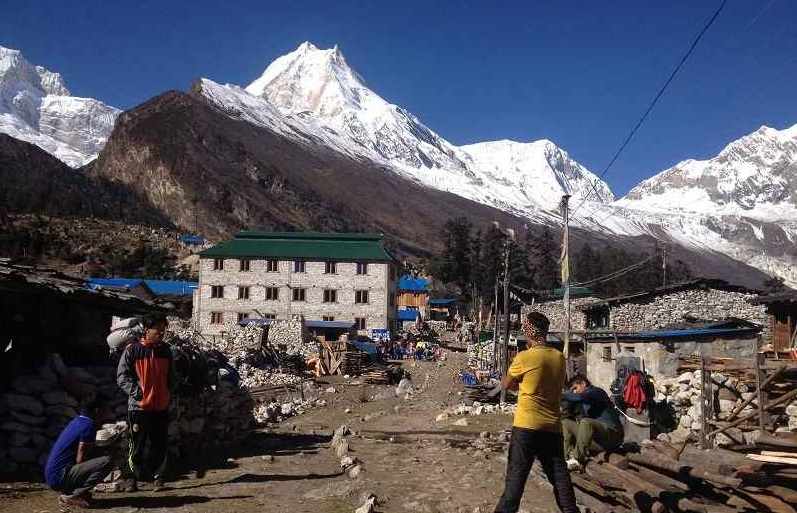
{"x":160,"y":501}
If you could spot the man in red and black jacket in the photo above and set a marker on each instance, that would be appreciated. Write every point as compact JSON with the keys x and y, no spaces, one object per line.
{"x":145,"y":373}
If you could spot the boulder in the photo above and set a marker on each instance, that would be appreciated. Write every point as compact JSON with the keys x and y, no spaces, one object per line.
{"x":31,"y":385}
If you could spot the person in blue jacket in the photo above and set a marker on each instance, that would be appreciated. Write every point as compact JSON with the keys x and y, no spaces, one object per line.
{"x":70,"y":470}
{"x":596,"y":426}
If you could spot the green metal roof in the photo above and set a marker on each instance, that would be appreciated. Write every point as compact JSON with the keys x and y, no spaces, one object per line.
{"x":302,"y":245}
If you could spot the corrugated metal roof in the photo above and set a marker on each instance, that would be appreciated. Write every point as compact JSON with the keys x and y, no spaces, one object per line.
{"x":716,"y":329}
{"x":413,"y":284}
{"x":302,"y":245}
{"x":442,"y":302}
{"x":789,"y":296}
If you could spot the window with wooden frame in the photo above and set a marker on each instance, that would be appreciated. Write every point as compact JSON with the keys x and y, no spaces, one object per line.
{"x":359,"y":323}
{"x":330,"y":268}
{"x":298,"y":266}
{"x":242,"y":316}
{"x":361,"y":296}
{"x":330,"y":296}
{"x":243,"y":292}
{"x":218,"y":264}
{"x":272,"y":294}
{"x":272,"y":266}
{"x":243,"y":265}
{"x":362,"y":267}
{"x":606,"y":354}
{"x":217,"y":291}
{"x":299,"y":294}
{"x":327,"y":318}
{"x":216,"y":317}
{"x":270,"y":316}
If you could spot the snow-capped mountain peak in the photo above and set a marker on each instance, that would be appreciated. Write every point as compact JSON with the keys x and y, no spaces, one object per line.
{"x":37,"y":107}
{"x":313,"y":80}
{"x":754,"y":176}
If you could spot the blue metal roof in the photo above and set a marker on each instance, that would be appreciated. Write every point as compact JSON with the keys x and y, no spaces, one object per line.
{"x":412,"y":284}
{"x":158,"y":287}
{"x":407,"y":315}
{"x":442,"y":302}
{"x":718,"y":329}
{"x":188,"y":238}
{"x":330,"y":324}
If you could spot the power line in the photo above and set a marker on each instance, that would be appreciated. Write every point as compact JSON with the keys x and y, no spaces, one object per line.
{"x":655,"y":100}
{"x":615,"y":274}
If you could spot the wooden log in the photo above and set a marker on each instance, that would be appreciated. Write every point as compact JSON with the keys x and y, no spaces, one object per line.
{"x":780,"y":400}
{"x":772,"y":504}
{"x":683,"y":470}
{"x":777,"y":441}
{"x":644,"y":495}
{"x":593,"y":496}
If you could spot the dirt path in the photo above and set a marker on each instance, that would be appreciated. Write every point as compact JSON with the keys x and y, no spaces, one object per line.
{"x":410,"y":462}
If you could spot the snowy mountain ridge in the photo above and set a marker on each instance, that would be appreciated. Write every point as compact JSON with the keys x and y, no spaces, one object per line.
{"x":37,"y":107}
{"x":319,"y":85}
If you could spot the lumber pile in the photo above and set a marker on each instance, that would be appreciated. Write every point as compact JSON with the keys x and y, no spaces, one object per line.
{"x":664,"y":478}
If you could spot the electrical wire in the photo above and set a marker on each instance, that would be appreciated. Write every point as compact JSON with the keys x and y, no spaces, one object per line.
{"x":653,"y":102}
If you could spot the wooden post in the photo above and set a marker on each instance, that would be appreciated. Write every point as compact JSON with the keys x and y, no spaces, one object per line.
{"x":760,"y":380}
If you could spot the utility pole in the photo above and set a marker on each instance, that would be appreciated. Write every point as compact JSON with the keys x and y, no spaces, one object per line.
{"x":510,"y":235}
{"x":566,"y":271}
{"x":664,"y":266}
{"x":496,"y":352}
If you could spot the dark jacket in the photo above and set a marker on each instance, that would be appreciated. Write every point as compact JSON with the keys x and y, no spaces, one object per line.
{"x":145,"y":373}
{"x":596,"y":405}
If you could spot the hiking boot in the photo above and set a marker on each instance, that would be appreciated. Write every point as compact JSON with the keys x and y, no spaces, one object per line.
{"x":574,"y":465}
{"x":67,"y":502}
{"x":158,"y":485}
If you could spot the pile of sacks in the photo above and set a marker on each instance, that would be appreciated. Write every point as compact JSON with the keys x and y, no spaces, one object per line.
{"x":683,"y":393}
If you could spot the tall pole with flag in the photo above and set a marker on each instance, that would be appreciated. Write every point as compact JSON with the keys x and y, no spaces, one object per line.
{"x":565,"y":265}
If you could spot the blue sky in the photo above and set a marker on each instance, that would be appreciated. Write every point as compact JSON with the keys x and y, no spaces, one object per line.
{"x":579,"y":73}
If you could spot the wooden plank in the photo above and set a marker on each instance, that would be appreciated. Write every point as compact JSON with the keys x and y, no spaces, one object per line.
{"x":773,"y":459}
{"x":779,"y":454}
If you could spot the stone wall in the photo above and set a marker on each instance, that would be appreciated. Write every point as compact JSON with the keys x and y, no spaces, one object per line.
{"x":555,"y":312}
{"x":660,"y":360}
{"x":378,"y":312}
{"x":668,"y":309}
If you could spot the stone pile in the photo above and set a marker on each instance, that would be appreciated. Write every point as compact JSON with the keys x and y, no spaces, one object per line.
{"x":480,"y":354}
{"x":475,"y":409}
{"x":437,"y":327}
{"x":729,"y":393}
{"x":291,"y":336}
{"x":40,"y":404}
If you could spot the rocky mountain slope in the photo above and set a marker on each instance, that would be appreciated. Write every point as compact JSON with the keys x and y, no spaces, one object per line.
{"x":212,"y":168}
{"x":35,"y":182}
{"x":36,"y":106}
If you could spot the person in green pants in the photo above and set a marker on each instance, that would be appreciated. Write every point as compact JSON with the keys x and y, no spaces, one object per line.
{"x":598,"y":428}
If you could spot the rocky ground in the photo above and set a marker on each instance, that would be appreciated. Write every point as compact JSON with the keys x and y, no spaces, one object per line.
{"x":408,"y":460}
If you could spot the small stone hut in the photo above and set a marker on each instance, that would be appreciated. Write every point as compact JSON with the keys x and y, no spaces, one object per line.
{"x":552,"y":307}
{"x":658,"y":351}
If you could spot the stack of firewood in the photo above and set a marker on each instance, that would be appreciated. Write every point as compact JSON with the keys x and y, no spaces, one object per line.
{"x":664,"y":477}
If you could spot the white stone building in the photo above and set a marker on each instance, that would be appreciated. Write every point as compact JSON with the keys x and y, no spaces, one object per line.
{"x":321,"y":276}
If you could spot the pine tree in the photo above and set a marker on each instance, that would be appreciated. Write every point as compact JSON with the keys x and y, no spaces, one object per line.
{"x":546,"y":260}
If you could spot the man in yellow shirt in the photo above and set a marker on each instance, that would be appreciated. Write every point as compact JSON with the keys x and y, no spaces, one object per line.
{"x":538,"y":373}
